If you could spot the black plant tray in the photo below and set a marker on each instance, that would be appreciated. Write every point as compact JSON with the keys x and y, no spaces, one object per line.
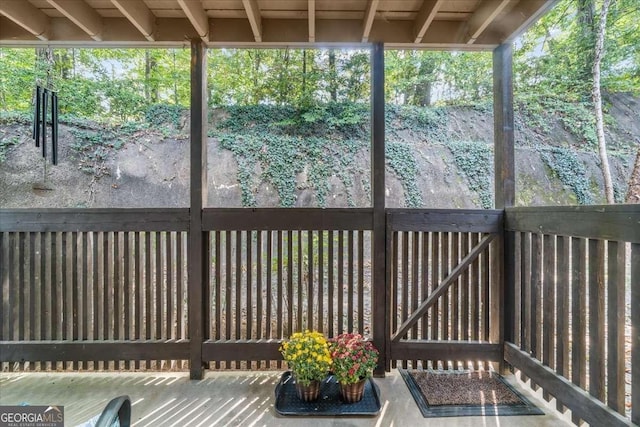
{"x":329,"y":402}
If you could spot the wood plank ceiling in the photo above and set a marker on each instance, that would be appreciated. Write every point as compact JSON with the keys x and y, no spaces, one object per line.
{"x":422,"y":24}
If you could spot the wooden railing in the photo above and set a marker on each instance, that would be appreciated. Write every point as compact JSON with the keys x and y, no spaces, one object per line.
{"x":277,"y":271}
{"x":445,"y":279}
{"x":93,"y":289}
{"x":107,"y":289}
{"x":574,"y":327}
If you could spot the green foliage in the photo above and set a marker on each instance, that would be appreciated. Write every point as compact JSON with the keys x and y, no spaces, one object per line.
{"x":92,"y":149}
{"x":428,"y":121}
{"x":284,"y":141}
{"x":576,"y":117}
{"x":400,"y":158}
{"x":6,"y":144}
{"x":565,"y":165}
{"x":349,"y":119}
{"x":19,"y":117}
{"x":163,"y":114}
{"x":282,"y":157}
{"x":474,"y":160}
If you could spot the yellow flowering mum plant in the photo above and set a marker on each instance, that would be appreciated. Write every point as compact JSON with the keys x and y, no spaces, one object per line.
{"x":308,"y":357}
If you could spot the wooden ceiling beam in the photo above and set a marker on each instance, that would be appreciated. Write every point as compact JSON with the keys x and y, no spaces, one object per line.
{"x":253,"y":14}
{"x":369,"y":16}
{"x":139,"y":15}
{"x":81,"y":14}
{"x":482,"y":18}
{"x":27,"y":16}
{"x":312,"y":21}
{"x":425,"y":17}
{"x":197,"y":16}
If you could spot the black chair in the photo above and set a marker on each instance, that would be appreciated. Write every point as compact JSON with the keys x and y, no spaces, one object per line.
{"x":119,"y":409}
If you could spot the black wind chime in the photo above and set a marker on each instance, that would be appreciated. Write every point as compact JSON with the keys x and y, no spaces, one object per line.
{"x":46,"y":100}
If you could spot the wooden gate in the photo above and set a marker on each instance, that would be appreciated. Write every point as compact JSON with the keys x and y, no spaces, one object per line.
{"x":445,"y":284}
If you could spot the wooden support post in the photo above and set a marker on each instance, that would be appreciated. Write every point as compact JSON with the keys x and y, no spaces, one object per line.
{"x":380,"y":290}
{"x":504,"y":186}
{"x":635,"y":333}
{"x":197,"y":261}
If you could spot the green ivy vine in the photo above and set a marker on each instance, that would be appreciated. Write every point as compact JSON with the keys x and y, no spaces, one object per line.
{"x":400,"y":158}
{"x":283,"y":157}
{"x":570,"y":170}
{"x":474,"y":160}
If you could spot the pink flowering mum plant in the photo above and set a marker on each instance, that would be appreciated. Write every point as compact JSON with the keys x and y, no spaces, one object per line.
{"x":354,"y":358}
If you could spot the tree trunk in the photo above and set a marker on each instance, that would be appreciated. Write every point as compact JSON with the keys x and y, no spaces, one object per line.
{"x":44,"y":67}
{"x":587,"y":41}
{"x":150,"y":82}
{"x":333,"y":76}
{"x":304,"y":74}
{"x":597,"y":102}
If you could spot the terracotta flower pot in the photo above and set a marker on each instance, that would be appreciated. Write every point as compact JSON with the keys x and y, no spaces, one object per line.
{"x":352,"y":393}
{"x":308,"y":393}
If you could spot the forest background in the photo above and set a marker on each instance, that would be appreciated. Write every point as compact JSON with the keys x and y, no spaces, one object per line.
{"x":279,"y":114}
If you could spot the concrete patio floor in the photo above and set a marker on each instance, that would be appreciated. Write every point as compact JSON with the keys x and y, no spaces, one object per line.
{"x":225,"y":399}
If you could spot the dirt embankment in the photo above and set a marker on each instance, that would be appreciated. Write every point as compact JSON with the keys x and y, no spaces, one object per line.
{"x":152,"y":169}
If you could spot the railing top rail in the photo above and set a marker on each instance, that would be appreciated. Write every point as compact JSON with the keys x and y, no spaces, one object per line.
{"x":287,"y":219}
{"x":610,"y":222}
{"x":446,"y":220}
{"x":135,"y":219}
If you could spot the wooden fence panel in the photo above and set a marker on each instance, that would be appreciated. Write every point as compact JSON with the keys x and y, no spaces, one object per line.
{"x":92,"y":287}
{"x":586,"y":352}
{"x":293,"y":274}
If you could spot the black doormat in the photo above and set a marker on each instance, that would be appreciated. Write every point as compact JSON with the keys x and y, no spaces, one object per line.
{"x":459,"y":394}
{"x":329,"y":402}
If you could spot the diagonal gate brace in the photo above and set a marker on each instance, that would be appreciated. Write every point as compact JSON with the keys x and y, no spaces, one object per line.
{"x":443,"y":287}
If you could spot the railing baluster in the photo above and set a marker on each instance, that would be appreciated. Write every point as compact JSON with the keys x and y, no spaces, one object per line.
{"x":596,"y":318}
{"x":475,"y":295}
{"x":455,"y":292}
{"x":464,"y":293}
{"x":280,"y":290}
{"x":350,"y":262}
{"x":435,"y":280}
{"x":330,"y":286}
{"x":635,"y":335}
{"x":249,"y":290}
{"x":32,"y":286}
{"x":405,"y":304}
{"x":238,"y":289}
{"x":321,"y":283}
{"x":279,"y":333}
{"x":290,"y":298}
{"x":20,"y":297}
{"x":536,"y":295}
{"x":340,"y":285}
{"x":168,"y":256}
{"x":269,"y":295}
{"x":424,"y":287}
{"x":310,"y":292}
{"x":562,"y":308}
{"x":300,"y":293}
{"x":548,"y":303}
{"x":360,"y":313}
{"x":415,"y":265}
{"x":578,"y":309}
{"x":158,"y":288}
{"x":446,"y":265}
{"x":259,"y":292}
{"x":147,"y":290}
{"x":616,"y":258}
